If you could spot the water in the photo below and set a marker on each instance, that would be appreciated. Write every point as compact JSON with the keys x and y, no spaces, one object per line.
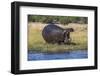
{"x":53,"y":56}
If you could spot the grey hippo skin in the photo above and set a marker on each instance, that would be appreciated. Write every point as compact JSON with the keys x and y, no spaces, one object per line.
{"x":55,"y":34}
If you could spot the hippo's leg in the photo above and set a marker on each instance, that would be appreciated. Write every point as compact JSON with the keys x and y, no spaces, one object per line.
{"x":60,"y":42}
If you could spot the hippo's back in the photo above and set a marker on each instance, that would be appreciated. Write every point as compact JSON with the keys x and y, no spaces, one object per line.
{"x":52,"y":33}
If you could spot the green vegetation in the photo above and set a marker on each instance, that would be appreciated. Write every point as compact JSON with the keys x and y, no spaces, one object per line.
{"x":36,"y":42}
{"x":62,"y":19}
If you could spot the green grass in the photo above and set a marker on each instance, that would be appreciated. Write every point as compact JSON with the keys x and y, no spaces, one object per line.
{"x":36,"y":42}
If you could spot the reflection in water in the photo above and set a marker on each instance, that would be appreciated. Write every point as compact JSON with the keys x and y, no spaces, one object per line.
{"x":52,"y":56}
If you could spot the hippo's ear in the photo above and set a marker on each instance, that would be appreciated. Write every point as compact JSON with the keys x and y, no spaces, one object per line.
{"x":71,"y":30}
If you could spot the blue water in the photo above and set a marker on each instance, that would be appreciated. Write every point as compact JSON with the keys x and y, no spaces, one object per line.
{"x":53,"y":56}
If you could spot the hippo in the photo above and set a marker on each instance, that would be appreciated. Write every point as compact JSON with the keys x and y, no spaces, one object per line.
{"x":55,"y":34}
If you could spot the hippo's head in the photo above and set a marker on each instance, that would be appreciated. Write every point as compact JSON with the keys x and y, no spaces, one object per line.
{"x":66,"y":35}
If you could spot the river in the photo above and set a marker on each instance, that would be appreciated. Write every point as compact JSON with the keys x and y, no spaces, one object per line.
{"x":79,"y":54}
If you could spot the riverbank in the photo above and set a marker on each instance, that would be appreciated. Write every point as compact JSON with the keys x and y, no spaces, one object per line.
{"x":36,"y":42}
